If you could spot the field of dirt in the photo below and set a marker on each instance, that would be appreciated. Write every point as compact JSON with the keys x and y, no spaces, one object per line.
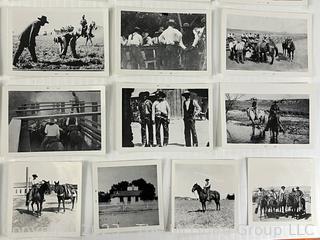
{"x":294,"y":118}
{"x":50,"y":221}
{"x":188,"y":214}
{"x":115,"y":216}
{"x":91,"y":57}
{"x":281,"y":63}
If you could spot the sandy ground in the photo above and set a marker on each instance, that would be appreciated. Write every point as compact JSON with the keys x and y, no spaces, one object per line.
{"x":299,"y":64}
{"x":281,"y":217}
{"x":176,"y":133}
{"x":50,"y":221}
{"x":114,"y":216}
{"x":188,"y":215}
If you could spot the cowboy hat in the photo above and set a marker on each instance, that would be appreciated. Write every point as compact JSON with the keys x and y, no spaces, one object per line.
{"x":186,"y":93}
{"x":283,"y":187}
{"x":161,"y":94}
{"x":43,"y":19}
{"x":34,"y":175}
{"x":186,"y":25}
{"x":207,"y":180}
{"x":146,"y":93}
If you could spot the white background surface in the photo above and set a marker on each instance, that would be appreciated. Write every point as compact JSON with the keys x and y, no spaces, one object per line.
{"x":244,"y":231}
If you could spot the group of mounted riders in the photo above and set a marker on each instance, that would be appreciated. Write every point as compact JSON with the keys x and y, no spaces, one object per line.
{"x":38,"y":189}
{"x":257,"y":47}
{"x":278,"y":202}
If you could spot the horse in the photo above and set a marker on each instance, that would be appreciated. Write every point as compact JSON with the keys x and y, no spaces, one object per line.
{"x":213,"y":195}
{"x":290,"y":50}
{"x":75,"y":138}
{"x":64,"y":192}
{"x":265,"y":48}
{"x":37,"y":197}
{"x":272,"y":205}
{"x":54,"y":145}
{"x":293,"y":203}
{"x":263,"y":205}
{"x":273,"y":125}
{"x":258,"y":119}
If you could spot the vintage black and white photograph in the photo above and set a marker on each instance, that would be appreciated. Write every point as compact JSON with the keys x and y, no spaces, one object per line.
{"x":267,"y":117}
{"x":269,"y":2}
{"x":165,"y":118}
{"x":279,"y":195}
{"x":279,"y":42}
{"x":58,"y":40}
{"x":129,"y":196}
{"x":204,"y":194}
{"x":164,"y":41}
{"x":55,"y":120}
{"x":45,"y":198}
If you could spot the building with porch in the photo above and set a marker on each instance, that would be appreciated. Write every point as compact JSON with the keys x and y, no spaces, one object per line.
{"x":131,"y":196}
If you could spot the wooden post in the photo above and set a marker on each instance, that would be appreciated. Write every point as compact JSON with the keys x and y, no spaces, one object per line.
{"x":94,"y":117}
{"x":62,"y":110}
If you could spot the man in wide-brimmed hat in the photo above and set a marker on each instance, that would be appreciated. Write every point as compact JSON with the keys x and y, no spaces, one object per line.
{"x":135,"y":42}
{"x":191,"y":109}
{"x":145,"y":109}
{"x":275,"y":113}
{"x":52,"y":133}
{"x":171,"y":38}
{"x":206,"y":188}
{"x":161,"y":117}
{"x":28,"y":39}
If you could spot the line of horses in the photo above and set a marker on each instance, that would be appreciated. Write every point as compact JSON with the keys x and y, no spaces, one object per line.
{"x":289,"y":204}
{"x":203,"y":197}
{"x":63,"y":192}
{"x":258,"y":50}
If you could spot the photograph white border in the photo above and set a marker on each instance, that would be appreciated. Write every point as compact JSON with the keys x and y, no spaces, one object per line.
{"x":313,"y":192}
{"x":126,"y":163}
{"x":209,"y":29}
{"x":212,"y":118}
{"x":306,"y":89}
{"x":5,"y":117}
{"x":89,"y":73}
{"x":232,"y":162}
{"x":269,"y":2}
{"x":23,"y":235}
{"x":286,"y":76}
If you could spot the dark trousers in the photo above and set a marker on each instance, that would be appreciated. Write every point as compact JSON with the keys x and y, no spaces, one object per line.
{"x":171,"y":57}
{"x":160,"y":121}
{"x":19,"y":51}
{"x":191,"y":59}
{"x":75,"y":106}
{"x":190,"y":130}
{"x":146,"y":123}
{"x":239,"y":56}
{"x":66,"y":41}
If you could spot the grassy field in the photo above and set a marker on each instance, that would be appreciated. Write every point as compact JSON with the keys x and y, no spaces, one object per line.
{"x":188,"y":215}
{"x":91,"y":57}
{"x":112,"y":216}
{"x":281,"y":63}
{"x":50,"y":221}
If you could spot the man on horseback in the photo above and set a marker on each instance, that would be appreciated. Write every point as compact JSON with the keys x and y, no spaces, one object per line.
{"x":35,"y":184}
{"x":206,"y":188}
{"x":52,"y":134}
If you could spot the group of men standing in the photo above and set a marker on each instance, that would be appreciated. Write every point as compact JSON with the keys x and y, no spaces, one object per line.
{"x":185,"y":49}
{"x":158,"y":113}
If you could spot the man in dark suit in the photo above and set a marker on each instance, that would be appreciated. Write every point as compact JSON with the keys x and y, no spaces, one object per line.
{"x":191,"y":109}
{"x":28,"y":39}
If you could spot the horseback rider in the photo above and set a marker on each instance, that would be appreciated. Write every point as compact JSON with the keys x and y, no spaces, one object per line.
{"x":206,"y":188}
{"x":52,"y":133}
{"x":275,"y":113}
{"x":35,"y":184}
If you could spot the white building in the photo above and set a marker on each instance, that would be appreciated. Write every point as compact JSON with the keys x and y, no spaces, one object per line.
{"x":20,"y":189}
{"x":131,"y":196}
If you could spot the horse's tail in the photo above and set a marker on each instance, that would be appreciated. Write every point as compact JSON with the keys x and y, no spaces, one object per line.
{"x":27,"y":199}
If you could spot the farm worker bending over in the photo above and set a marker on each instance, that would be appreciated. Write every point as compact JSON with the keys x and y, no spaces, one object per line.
{"x":52,"y":131}
{"x":28,"y":39}
{"x":206,"y":188}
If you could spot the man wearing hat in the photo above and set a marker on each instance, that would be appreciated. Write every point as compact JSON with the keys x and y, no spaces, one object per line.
{"x":190,"y":57}
{"x":28,"y":39}
{"x":135,"y":41}
{"x":300,"y":195}
{"x":145,"y":109}
{"x":191,"y":109}
{"x":84,"y":26}
{"x":172,"y":39}
{"x":260,"y":194}
{"x":161,"y":117}
{"x":275,"y":113}
{"x":52,"y":133}
{"x":282,"y":193}
{"x":35,"y":184}
{"x":206,"y":188}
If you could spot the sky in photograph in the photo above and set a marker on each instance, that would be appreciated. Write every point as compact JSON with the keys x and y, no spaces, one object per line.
{"x":107,"y":176}
{"x":222,"y":178}
{"x":64,"y":172}
{"x":270,"y":96}
{"x":277,"y":172}
{"x":270,"y":24}
{"x":56,"y":18}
